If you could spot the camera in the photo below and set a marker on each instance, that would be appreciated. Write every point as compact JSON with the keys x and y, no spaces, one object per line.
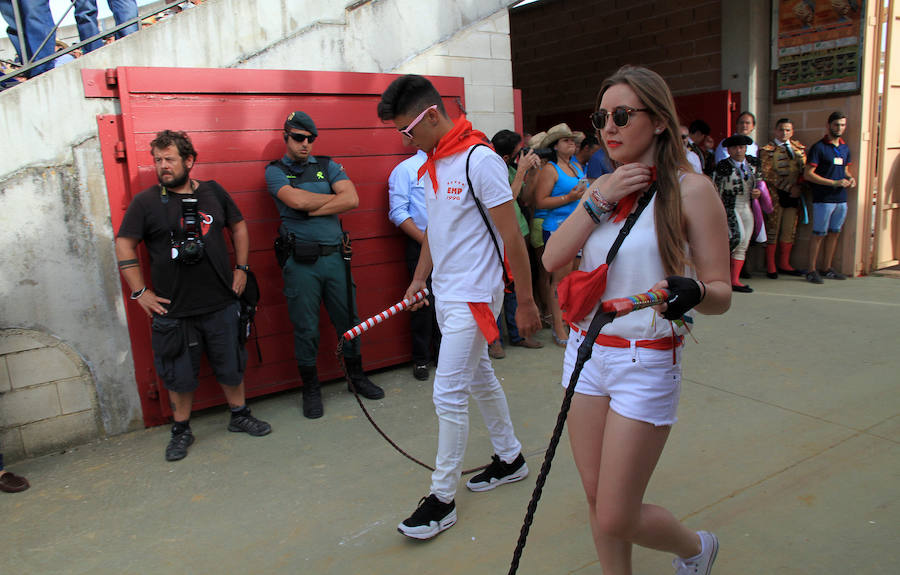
{"x":189,"y":250}
{"x":542,"y":153}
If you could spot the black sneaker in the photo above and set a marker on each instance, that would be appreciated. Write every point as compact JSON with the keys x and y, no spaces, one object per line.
{"x":498,"y":473}
{"x":420,"y":372}
{"x":178,"y":445}
{"x":430,"y":518}
{"x":833,"y":275}
{"x":243,"y":421}
{"x":813,"y":277}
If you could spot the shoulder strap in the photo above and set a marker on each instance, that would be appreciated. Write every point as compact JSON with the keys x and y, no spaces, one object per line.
{"x":219,"y":192}
{"x":324,"y":161}
{"x":629,"y":222}
{"x":283,"y":167}
{"x":484,"y":215}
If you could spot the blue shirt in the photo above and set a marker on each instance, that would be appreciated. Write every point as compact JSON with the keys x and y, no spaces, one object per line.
{"x":325,"y":230}
{"x":830,"y":161}
{"x":406,"y":192}
{"x":598,"y":165}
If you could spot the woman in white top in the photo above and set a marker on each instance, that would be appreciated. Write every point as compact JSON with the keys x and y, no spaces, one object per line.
{"x":627,"y":394}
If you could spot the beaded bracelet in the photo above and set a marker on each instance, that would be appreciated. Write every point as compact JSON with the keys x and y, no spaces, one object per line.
{"x":601,"y":202}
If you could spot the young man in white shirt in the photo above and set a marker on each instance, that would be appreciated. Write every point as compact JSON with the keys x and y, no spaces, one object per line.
{"x":468,"y":286}
{"x":692,"y":157}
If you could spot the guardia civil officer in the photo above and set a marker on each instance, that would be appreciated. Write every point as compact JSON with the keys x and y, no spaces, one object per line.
{"x":193,"y":301}
{"x":310,"y":192}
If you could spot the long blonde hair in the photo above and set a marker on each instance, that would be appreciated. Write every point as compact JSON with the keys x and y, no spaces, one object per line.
{"x":653,"y":92}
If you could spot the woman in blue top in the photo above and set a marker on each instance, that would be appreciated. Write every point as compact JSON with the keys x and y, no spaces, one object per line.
{"x":556,"y":196}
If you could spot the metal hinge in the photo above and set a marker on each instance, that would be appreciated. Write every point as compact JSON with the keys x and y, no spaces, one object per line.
{"x":120,"y":150}
{"x":112,"y":78}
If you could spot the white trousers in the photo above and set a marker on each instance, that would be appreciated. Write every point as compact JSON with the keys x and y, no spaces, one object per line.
{"x":744,"y":212}
{"x":464,"y":369}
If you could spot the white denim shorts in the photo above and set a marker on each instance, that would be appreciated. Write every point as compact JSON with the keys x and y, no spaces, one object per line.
{"x":641,"y":383}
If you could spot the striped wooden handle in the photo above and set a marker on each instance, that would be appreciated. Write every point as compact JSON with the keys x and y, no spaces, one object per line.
{"x":389,"y":312}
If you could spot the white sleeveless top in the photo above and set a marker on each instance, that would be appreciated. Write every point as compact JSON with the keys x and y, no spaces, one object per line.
{"x":635,"y":269}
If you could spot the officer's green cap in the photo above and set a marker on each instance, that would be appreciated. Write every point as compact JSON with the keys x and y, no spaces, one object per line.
{"x":300,"y":121}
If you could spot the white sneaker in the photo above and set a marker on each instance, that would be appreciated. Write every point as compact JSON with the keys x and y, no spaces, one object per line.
{"x":699,"y":564}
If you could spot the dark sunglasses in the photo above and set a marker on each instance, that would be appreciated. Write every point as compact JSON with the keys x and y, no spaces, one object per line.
{"x":300,"y":138}
{"x":620,"y":116}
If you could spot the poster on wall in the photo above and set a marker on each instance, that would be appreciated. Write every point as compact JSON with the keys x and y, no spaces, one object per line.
{"x":817,"y":48}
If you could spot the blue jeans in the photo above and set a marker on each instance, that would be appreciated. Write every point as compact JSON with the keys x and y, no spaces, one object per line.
{"x":510,"y":305}
{"x":38,"y":23}
{"x":86,"y":19}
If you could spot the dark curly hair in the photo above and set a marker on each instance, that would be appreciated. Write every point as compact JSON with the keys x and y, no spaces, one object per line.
{"x":180,"y":140}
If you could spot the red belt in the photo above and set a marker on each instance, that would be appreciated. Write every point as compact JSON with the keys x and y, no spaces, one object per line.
{"x":616,"y":341}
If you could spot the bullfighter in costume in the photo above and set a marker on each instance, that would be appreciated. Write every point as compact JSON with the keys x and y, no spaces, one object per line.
{"x":736,"y":178}
{"x":782,"y":161}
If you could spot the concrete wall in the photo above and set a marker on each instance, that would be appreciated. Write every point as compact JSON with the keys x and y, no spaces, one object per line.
{"x":745,"y":56}
{"x":47,"y":395}
{"x":59,"y":271}
{"x":563,"y":49}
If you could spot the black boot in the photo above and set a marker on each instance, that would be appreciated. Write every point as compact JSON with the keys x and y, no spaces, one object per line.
{"x":363,"y":385}
{"x":312,"y":393}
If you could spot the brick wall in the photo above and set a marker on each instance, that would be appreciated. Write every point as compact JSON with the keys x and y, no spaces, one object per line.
{"x":47,"y":396}
{"x":563,"y":49}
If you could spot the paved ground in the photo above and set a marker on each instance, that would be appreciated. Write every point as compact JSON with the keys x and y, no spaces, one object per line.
{"x":788,"y":447}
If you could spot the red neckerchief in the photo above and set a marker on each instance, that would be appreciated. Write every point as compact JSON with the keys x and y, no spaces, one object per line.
{"x":580,"y":291}
{"x":460,"y":137}
{"x":624,"y":206}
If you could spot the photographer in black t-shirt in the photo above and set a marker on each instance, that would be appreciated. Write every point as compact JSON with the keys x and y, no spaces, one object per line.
{"x":194,"y":302}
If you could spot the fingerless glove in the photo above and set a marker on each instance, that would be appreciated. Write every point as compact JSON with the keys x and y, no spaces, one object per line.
{"x":686,"y":294}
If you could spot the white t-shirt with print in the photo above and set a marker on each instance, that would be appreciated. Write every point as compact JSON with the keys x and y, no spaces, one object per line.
{"x":466,"y":265}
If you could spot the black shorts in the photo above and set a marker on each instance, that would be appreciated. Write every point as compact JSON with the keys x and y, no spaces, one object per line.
{"x":179,"y":343}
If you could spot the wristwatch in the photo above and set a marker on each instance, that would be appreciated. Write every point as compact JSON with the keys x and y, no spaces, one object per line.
{"x":243,"y":268}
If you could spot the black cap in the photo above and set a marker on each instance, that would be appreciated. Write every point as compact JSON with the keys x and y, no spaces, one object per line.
{"x":737,"y":140}
{"x":300,"y":121}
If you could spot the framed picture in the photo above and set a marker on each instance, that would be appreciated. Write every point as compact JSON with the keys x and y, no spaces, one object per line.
{"x":816,"y":48}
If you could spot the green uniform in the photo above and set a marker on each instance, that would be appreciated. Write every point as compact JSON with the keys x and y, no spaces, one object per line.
{"x":307,"y":285}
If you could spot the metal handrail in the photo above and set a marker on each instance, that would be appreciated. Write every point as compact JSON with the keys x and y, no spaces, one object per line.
{"x":29,"y":65}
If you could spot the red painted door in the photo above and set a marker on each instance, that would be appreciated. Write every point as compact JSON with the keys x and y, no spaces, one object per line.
{"x":719,"y":109}
{"x":235,"y":118}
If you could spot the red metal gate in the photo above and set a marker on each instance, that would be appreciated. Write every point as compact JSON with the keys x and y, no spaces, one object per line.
{"x":235,"y":118}
{"x":719,"y":109}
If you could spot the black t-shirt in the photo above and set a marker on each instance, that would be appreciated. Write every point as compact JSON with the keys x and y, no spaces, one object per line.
{"x":194,"y":289}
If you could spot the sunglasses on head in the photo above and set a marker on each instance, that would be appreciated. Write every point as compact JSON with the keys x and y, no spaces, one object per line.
{"x":407,"y":131}
{"x":300,"y":138}
{"x":620,"y":116}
